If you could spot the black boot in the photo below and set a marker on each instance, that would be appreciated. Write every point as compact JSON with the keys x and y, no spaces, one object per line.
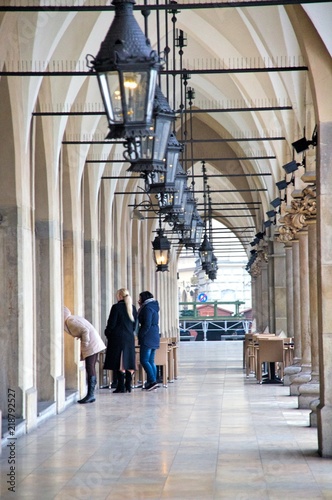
{"x":120,"y":387}
{"x":89,"y":398}
{"x":128,"y":381}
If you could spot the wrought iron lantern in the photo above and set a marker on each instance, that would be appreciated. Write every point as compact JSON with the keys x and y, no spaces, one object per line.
{"x":205,"y":253}
{"x":206,"y":249}
{"x":172,"y":202}
{"x":212,"y":273}
{"x":190,"y":205}
{"x":192,"y":236}
{"x":152,"y":149}
{"x":179,"y":216}
{"x":184,"y":221}
{"x":127,"y":70}
{"x":161,"y":250}
{"x":197,"y":228}
{"x":164,"y":182}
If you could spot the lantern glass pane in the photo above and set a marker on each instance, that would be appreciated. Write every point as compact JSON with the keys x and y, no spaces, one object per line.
{"x":154,"y":178}
{"x":172,"y":156}
{"x":153,"y":146}
{"x":178,"y":195}
{"x":206,"y":257}
{"x":186,"y":234}
{"x":151,"y":94}
{"x":161,"y":257}
{"x":162,"y":131}
{"x":189,"y":213}
{"x":146,"y":146}
{"x":187,"y":217}
{"x":199,"y":234}
{"x":135,"y":89}
{"x":183,"y":203}
{"x":111,"y":94}
{"x":193,"y":229}
{"x":165,"y":201}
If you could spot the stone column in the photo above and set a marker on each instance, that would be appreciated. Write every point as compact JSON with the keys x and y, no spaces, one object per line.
{"x":304,"y":300}
{"x":45,"y":382}
{"x":280,"y":296}
{"x":305,"y":375}
{"x":104,"y":263}
{"x":10,"y":332}
{"x":324,"y":272}
{"x":291,"y":372}
{"x":313,"y":300}
{"x":265,"y":294}
{"x":258,"y":296}
{"x":260,"y":285}
{"x":289,"y":290}
{"x":309,"y":392}
{"x":296,"y":302}
{"x":271,"y":271}
{"x":70,"y":346}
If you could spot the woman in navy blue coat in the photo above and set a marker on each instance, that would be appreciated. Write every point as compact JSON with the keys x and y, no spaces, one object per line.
{"x":148,"y":336}
{"x":120,"y":353}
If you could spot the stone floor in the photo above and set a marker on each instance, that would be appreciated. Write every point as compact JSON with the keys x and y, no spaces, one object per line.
{"x":212,"y":434}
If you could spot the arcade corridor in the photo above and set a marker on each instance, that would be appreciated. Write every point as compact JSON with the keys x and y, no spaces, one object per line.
{"x":246,"y":116}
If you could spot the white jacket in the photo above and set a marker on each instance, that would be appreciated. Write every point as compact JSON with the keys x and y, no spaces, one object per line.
{"x":81,"y":328}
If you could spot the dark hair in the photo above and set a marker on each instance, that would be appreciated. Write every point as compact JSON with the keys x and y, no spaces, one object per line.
{"x":145,"y":296}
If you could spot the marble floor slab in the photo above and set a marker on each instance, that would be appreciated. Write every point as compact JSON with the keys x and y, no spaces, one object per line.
{"x":212,"y":434}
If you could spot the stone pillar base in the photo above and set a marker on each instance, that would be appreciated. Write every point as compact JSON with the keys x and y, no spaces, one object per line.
{"x":324,"y":419}
{"x":313,"y":415}
{"x":31,"y":408}
{"x":297,"y":381}
{"x":294,"y":376}
{"x":307,"y":393}
{"x":60,"y":394}
{"x":289,"y":373}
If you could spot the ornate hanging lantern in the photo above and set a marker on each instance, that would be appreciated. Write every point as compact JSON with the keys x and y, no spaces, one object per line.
{"x":152,"y":148}
{"x":161,"y":250}
{"x":127,"y":69}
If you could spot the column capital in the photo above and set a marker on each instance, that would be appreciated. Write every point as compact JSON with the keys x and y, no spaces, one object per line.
{"x":261,"y":259}
{"x":302,"y":210}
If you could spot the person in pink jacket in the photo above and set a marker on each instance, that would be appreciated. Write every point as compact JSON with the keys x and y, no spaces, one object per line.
{"x":91,"y":345}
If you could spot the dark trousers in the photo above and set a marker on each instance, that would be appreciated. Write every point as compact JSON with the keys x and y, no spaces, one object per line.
{"x":90,"y":365}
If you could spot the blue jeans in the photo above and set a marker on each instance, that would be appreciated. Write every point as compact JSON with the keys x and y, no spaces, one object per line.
{"x":147,"y":361}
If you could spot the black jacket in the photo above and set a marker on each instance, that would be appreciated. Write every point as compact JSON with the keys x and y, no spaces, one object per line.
{"x":120,"y":335}
{"x":148,"y":318}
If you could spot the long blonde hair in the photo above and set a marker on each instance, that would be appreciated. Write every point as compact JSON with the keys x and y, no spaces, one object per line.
{"x":123,"y":294}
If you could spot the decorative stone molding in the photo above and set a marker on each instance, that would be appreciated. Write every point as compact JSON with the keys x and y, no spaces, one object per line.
{"x":302,"y":210}
{"x":286,"y":232}
{"x":256,"y":267}
{"x":309,"y":202}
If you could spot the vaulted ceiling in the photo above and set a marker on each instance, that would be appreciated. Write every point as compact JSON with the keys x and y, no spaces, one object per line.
{"x":247,"y":67}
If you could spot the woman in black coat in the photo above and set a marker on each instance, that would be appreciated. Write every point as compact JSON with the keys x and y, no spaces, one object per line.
{"x":120,"y":353}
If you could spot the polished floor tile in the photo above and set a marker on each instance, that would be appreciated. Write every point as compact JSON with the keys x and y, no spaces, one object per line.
{"x":212,"y":434}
